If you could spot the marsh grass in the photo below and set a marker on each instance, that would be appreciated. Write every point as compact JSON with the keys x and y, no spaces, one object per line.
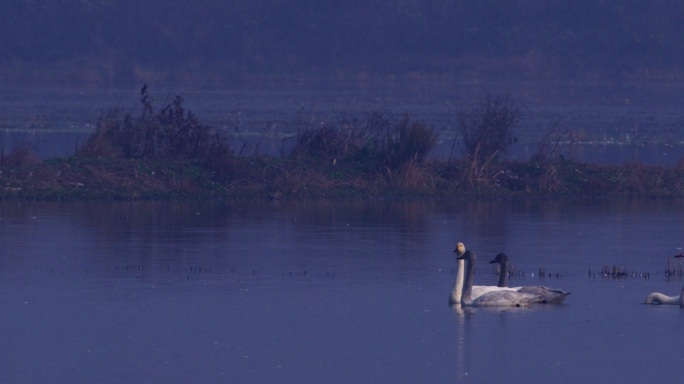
{"x":21,"y":155}
{"x":170,"y":132}
{"x":620,"y":272}
{"x":673,"y":269}
{"x":486,"y":131}
{"x":168,"y":152}
{"x":377,"y":143}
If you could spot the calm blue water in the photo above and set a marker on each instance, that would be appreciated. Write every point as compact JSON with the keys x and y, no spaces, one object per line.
{"x":332,"y":292}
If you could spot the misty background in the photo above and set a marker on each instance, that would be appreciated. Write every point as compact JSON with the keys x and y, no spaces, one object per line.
{"x":607,"y":72}
{"x":217,"y":42}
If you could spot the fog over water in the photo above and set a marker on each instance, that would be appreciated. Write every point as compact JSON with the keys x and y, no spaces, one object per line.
{"x":607,"y":71}
{"x":111,"y":43}
{"x":631,"y":123}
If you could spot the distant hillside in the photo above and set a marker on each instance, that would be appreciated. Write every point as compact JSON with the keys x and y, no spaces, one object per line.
{"x":113,"y":41}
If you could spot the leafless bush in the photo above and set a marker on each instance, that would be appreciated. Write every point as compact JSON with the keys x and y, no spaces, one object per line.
{"x":409,"y":142}
{"x":329,"y":141}
{"x":557,"y":143}
{"x":486,"y":131}
{"x":376,"y":142}
{"x":19,"y":156}
{"x":172,"y":132}
{"x":103,"y":142}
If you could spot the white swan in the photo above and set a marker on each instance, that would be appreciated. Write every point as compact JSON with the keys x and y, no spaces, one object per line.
{"x":457,"y":291}
{"x":548,"y":295}
{"x":500,"y":298}
{"x":659,"y":298}
{"x":476,"y":290}
{"x":662,"y":299}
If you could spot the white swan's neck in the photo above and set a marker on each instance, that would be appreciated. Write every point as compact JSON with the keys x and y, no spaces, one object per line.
{"x":457,"y":291}
{"x":659,"y":298}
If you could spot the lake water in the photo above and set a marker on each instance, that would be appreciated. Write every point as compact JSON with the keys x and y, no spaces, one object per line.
{"x":615,"y":122}
{"x":321,"y":292}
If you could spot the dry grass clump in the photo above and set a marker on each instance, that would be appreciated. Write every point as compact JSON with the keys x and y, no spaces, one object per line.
{"x":20,"y":155}
{"x":169,"y":133}
{"x":374,"y":144}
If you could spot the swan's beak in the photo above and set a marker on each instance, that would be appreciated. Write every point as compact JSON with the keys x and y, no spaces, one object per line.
{"x":493,"y":262}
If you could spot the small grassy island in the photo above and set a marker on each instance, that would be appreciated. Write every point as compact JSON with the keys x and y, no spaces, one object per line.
{"x":170,"y":154}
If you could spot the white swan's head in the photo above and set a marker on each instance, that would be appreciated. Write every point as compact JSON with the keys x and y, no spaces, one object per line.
{"x":460,"y":248}
{"x":501,"y":258}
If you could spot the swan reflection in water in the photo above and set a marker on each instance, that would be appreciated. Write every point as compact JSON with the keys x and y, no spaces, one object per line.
{"x":467,"y":299}
{"x":469,"y":337}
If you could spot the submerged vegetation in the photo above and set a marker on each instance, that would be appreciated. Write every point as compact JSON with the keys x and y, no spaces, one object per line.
{"x":169,"y":153}
{"x":673,"y":270}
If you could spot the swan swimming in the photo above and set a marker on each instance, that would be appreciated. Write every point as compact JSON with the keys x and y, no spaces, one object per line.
{"x":662,"y":299}
{"x":548,"y":295}
{"x":477,"y":290}
{"x":500,"y":298}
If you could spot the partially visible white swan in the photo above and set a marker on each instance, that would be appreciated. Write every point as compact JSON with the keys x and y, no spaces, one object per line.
{"x":457,"y":291}
{"x":548,"y":295}
{"x":659,"y":298}
{"x":500,"y":298}
{"x":476,"y":290}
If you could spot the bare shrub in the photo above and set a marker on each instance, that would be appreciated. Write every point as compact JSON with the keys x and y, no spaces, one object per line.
{"x":413,"y":176}
{"x":486,"y":131}
{"x":19,"y":156}
{"x":550,"y":180}
{"x":487,"y":128}
{"x":376,"y":142}
{"x":409,"y":142}
{"x":103,"y":142}
{"x":172,"y":132}
{"x":557,"y":143}
{"x":330,"y":142}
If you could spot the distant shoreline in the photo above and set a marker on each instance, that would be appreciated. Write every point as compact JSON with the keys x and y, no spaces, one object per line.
{"x":166,"y":152}
{"x":271,"y":178}
{"x":637,"y":123}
